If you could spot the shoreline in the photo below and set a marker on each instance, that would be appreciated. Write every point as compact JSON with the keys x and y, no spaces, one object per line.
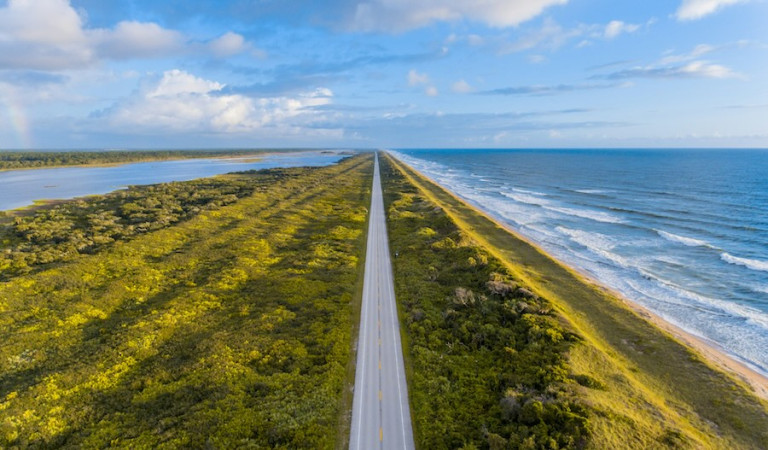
{"x":255,"y":157}
{"x":710,"y":351}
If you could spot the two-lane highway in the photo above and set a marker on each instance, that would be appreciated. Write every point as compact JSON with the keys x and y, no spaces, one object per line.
{"x":381,"y":417}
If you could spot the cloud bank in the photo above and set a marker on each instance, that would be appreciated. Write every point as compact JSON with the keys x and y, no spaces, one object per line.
{"x":181,"y":102}
{"x":51,"y":35}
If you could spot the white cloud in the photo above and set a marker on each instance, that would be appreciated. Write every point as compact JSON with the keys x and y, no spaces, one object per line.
{"x":136,"y":40}
{"x":475,"y":40}
{"x":228,"y":44}
{"x":461,"y":87}
{"x":51,"y":35}
{"x":181,"y":102}
{"x":421,"y":79}
{"x":176,"y":82}
{"x":696,"y":9}
{"x":550,"y":35}
{"x":694,"y":69}
{"x":416,"y":78}
{"x":44,"y":34}
{"x":703,"y":69}
{"x":617,"y":27}
{"x":401,"y":15}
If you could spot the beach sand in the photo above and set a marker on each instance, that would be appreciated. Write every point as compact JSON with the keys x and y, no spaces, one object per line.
{"x":710,"y":351}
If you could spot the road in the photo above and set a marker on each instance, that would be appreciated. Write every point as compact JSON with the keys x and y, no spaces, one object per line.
{"x":381,"y":418}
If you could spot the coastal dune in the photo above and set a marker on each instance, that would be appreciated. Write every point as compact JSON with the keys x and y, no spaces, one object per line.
{"x":660,"y":385}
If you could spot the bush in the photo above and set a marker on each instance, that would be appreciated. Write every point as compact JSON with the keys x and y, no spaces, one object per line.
{"x":487,"y":358}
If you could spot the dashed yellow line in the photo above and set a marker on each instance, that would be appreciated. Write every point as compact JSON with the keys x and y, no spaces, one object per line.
{"x":379,"y":364}
{"x":381,"y":435}
{"x":380,"y":396}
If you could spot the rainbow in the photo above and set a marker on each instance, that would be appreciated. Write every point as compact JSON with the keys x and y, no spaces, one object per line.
{"x":18,"y":120}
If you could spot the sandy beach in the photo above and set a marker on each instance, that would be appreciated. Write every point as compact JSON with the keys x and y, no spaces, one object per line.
{"x":710,"y":351}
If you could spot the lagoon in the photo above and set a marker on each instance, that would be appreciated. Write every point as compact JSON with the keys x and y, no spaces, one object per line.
{"x":20,"y":188}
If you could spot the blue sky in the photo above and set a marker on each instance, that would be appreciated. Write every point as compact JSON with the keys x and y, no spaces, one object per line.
{"x":383,"y":73}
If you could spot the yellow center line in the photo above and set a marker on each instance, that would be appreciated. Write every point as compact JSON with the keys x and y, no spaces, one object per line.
{"x":381,"y":435}
{"x":379,"y":364}
{"x":379,"y":395}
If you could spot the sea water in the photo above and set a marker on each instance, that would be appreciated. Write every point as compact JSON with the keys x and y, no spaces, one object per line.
{"x":683,"y":233}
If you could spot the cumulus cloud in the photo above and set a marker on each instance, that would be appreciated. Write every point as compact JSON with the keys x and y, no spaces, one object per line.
{"x":45,"y":34}
{"x":401,"y":15}
{"x":51,"y":35}
{"x":230,"y":44}
{"x":696,"y":9}
{"x":136,"y":40}
{"x":182,"y":102}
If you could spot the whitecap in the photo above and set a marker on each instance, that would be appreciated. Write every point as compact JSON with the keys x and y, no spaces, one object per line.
{"x":690,"y":242}
{"x":590,"y":191}
{"x":526,"y":198}
{"x":753,"y":264}
{"x":587,"y":214}
{"x":761,"y":289}
{"x":596,"y":243}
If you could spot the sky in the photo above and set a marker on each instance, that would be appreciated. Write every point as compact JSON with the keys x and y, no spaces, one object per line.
{"x":383,"y":73}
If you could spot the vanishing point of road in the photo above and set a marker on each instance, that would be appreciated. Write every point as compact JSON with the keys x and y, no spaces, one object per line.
{"x":381,"y":418}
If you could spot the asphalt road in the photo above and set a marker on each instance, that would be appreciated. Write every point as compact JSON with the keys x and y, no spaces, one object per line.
{"x":381,"y":418}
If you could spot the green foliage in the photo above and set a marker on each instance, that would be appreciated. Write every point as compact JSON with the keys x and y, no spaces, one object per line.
{"x":644,"y":388}
{"x":63,"y":231}
{"x":230,"y":329}
{"x":488,"y":365}
{"x":31,"y":160}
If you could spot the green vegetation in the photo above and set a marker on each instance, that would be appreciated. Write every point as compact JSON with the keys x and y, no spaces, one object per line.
{"x":638,"y":386}
{"x":487,"y":357}
{"x":34,"y":160}
{"x":63,"y":231}
{"x":232,"y":328}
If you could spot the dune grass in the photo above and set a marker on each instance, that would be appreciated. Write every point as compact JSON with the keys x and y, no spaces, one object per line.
{"x":654,"y":391}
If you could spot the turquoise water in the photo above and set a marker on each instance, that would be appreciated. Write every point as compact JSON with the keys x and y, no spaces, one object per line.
{"x":20,"y":188}
{"x":681,"y":232}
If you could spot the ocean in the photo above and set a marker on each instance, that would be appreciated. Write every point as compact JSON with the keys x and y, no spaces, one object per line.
{"x":683,"y":233}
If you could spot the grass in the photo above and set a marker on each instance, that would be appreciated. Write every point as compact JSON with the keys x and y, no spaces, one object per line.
{"x":233,"y":328}
{"x":656,"y":392}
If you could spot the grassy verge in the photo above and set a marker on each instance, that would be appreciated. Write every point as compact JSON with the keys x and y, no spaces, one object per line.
{"x":230,"y":329}
{"x":641,"y":388}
